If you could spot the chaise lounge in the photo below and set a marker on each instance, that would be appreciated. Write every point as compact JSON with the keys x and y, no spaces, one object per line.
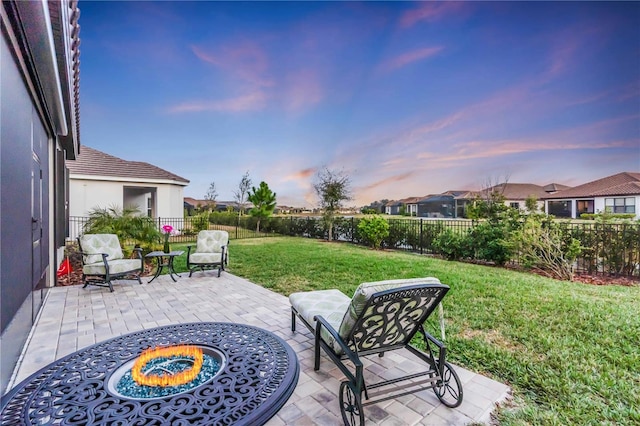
{"x":382,"y":316}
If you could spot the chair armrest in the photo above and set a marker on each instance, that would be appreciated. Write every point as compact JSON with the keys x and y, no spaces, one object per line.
{"x":84,"y":253}
{"x":321,"y":322}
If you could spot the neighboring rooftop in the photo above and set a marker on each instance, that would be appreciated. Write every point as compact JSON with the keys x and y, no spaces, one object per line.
{"x":92,"y":162}
{"x":520,"y":191}
{"x":625,"y":183}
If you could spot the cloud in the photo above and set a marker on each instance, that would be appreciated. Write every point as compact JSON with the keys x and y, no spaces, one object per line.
{"x":301,"y":174}
{"x":243,"y":60}
{"x":408,"y":58}
{"x":249,"y":102}
{"x":430,"y":11}
{"x":302,"y":90}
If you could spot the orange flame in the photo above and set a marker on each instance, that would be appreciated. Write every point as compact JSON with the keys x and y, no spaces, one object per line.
{"x":165,"y":380}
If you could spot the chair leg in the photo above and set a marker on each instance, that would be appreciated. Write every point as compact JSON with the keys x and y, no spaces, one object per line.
{"x":293,"y":320}
{"x":219,"y":271}
{"x":111,"y":286}
{"x":316,"y":347}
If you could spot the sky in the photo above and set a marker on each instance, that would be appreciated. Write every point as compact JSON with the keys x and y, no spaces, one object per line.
{"x":405,"y":98}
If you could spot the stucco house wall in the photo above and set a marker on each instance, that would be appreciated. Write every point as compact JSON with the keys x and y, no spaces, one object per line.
{"x":100,"y":180}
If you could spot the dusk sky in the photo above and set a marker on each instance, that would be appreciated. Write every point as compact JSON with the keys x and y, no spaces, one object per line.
{"x":407,"y":98}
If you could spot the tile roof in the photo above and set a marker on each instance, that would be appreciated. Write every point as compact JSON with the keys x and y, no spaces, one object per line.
{"x":625,"y":183}
{"x":96,"y":163}
{"x":519,"y":191}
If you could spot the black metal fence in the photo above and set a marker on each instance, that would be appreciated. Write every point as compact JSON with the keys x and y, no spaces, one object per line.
{"x":607,"y":248}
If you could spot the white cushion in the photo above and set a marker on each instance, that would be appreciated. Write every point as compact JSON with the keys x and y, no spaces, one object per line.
{"x":330,"y":304}
{"x":93,"y":245}
{"x":117,"y":266}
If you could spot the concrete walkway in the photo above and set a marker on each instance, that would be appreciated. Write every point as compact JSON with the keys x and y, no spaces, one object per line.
{"x":73,"y":318}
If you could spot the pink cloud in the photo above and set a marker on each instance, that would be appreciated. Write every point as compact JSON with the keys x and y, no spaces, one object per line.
{"x":387,"y":181}
{"x":245,"y":61}
{"x":252,"y":101}
{"x":409,"y":58}
{"x":301,"y":174}
{"x":302,"y":90}
{"x":430,"y":11}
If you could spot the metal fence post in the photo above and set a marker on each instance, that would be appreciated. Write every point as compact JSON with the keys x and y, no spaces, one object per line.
{"x":421,"y":251}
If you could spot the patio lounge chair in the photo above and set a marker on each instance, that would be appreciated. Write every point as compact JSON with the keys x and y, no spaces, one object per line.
{"x":103,"y":260}
{"x":211,"y":251}
{"x":382,"y":316}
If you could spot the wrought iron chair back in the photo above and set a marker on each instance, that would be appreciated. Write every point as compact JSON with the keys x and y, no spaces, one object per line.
{"x":391,"y":318}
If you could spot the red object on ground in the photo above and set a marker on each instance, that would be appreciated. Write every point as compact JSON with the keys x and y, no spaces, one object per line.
{"x":65,"y":268}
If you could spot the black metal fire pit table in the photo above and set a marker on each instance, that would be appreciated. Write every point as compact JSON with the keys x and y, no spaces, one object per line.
{"x":253,"y":373}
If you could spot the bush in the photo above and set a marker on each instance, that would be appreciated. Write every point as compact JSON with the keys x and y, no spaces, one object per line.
{"x":453,"y":245}
{"x":200,"y":222}
{"x":492,"y":243}
{"x":126,"y":223}
{"x":546,"y":246}
{"x":374,"y":230}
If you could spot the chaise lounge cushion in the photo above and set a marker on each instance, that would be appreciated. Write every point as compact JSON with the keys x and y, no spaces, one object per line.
{"x":330,"y":304}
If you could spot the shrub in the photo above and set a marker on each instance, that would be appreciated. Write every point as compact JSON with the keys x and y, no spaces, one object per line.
{"x":453,"y":245}
{"x":374,"y":229}
{"x":200,"y":222}
{"x":491,"y":242}
{"x":544,"y":245}
{"x":126,"y":223}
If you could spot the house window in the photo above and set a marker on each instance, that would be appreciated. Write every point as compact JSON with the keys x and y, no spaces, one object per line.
{"x":560,"y":208}
{"x":149,"y":208}
{"x":620,"y":205}
{"x":584,"y":206}
{"x":515,"y":206}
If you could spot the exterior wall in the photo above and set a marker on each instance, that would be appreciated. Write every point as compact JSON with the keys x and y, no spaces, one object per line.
{"x":86,"y":194}
{"x":20,"y":300}
{"x":170,"y":201}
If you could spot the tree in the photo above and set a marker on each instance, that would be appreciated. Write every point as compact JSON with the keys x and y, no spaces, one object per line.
{"x":333,"y":188}
{"x":264,"y":202}
{"x":240,"y":195}
{"x":211,"y":196}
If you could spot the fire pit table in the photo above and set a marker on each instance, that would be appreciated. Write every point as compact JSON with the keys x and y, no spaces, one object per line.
{"x":247,"y":375}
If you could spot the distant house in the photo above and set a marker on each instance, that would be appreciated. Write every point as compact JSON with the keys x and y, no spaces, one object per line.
{"x":516,"y":194}
{"x":393,"y":207}
{"x":441,"y":205}
{"x":618,"y":193}
{"x":100,"y":180}
{"x":193,"y":204}
{"x":462,"y":199}
{"x":407,"y":206}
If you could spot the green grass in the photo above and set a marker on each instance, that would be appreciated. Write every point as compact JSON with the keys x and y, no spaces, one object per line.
{"x":570,"y":351}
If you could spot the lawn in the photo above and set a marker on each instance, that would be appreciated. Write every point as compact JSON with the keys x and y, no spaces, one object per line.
{"x":570,"y":351}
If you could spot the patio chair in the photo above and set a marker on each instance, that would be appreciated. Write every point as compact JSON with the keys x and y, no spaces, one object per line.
{"x":103,"y":260}
{"x":382,"y":316}
{"x":210,"y":252}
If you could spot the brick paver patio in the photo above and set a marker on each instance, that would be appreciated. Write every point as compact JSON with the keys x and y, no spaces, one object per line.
{"x":73,"y":318}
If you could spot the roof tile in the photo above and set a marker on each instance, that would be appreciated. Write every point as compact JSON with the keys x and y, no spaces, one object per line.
{"x":97,"y":163}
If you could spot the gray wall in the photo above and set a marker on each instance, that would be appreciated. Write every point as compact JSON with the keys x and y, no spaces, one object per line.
{"x":21,"y":134}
